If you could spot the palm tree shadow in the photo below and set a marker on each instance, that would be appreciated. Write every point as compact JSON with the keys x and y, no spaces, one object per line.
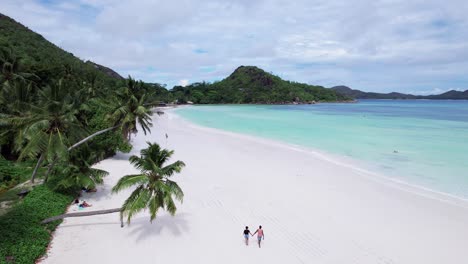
{"x":143,"y":229}
{"x":115,"y":223}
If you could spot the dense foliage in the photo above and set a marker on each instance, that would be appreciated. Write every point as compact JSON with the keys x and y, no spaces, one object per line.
{"x":23,"y":237}
{"x":13,"y":173}
{"x":251,"y":85}
{"x":58,"y":116}
{"x":50,"y":100}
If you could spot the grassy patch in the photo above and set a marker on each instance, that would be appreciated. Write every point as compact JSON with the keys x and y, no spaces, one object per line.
{"x":14,"y":173}
{"x":22,"y":235}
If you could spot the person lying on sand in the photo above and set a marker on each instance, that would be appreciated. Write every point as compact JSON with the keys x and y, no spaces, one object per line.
{"x":84,"y":204}
{"x":88,"y":190}
{"x":246,"y":235}
{"x":260,"y":235}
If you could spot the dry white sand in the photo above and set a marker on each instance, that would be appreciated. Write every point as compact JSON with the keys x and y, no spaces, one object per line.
{"x":313,"y":210}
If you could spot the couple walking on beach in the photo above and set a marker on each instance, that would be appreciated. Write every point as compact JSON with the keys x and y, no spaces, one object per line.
{"x":259,"y":232}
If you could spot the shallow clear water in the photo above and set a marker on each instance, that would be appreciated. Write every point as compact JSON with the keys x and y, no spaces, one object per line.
{"x":422,"y":142}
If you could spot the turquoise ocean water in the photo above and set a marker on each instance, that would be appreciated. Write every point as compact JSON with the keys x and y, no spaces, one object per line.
{"x":421,"y":142}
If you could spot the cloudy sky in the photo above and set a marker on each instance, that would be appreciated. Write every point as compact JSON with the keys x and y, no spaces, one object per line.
{"x":391,"y":45}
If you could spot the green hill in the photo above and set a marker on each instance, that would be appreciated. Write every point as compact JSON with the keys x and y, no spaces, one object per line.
{"x":35,"y":54}
{"x":252,"y":85}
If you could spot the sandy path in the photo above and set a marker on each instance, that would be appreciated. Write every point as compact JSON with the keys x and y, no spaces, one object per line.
{"x":312,"y":210}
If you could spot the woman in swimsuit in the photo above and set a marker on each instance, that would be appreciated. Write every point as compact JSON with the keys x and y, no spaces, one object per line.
{"x":260,"y":235}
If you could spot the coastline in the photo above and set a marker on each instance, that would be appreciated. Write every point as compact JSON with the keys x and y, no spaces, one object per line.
{"x":312,"y":208}
{"x":359,"y":166}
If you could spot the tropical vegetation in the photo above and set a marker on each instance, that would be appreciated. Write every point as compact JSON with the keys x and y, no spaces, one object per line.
{"x":23,"y":237}
{"x":252,"y":85}
{"x":58,"y":116}
{"x":154,"y":188}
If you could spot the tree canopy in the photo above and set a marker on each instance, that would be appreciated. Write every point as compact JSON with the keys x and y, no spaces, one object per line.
{"x":252,"y":85}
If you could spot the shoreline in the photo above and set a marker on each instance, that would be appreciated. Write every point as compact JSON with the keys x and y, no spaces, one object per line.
{"x":312,"y":209}
{"x":357,"y":165}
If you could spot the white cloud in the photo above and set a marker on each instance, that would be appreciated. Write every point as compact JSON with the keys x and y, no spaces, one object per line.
{"x":183,"y":82}
{"x":371,"y":45}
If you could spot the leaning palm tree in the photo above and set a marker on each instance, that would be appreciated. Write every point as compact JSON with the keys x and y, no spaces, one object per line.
{"x":155,"y":190}
{"x":126,"y":114}
{"x":129,"y":111}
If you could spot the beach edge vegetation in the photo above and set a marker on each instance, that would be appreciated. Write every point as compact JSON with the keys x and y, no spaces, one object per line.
{"x":23,"y":238}
{"x":58,"y":116}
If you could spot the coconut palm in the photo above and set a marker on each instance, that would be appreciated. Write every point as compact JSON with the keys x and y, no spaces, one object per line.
{"x":129,"y":111}
{"x":16,"y":96}
{"x":49,"y":127}
{"x":80,"y":174}
{"x":11,"y":68}
{"x":154,"y":189}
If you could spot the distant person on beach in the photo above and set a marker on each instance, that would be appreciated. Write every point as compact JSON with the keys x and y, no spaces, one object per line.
{"x":260,"y":235}
{"x":84,"y":204}
{"x":246,"y":235}
{"x":88,"y":190}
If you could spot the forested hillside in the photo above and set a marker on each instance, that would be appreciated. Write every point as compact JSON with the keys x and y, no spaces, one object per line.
{"x":252,"y":85}
{"x":58,"y":116}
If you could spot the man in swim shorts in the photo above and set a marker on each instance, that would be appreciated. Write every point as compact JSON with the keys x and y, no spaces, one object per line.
{"x":260,"y":235}
{"x":246,"y":235}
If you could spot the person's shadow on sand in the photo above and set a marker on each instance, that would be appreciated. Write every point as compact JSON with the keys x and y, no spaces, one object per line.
{"x":143,"y":229}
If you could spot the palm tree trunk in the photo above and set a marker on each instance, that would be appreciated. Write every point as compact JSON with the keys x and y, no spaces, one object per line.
{"x":91,"y":136}
{"x":76,"y":145}
{"x":98,"y":212}
{"x":33,"y":176}
{"x":50,"y":169}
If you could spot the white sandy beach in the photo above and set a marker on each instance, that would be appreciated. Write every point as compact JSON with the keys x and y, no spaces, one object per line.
{"x":313,"y":210}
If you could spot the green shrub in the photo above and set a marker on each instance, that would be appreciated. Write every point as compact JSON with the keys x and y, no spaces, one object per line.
{"x":22,"y":236}
{"x":8,"y":176}
{"x":13,"y":173}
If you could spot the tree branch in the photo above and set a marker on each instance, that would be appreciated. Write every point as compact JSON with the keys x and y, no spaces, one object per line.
{"x":79,"y":214}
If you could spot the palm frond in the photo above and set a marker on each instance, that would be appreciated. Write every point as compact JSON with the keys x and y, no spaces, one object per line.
{"x":129,"y":181}
{"x":136,"y":202}
{"x":175,"y":167}
{"x":175,"y":190}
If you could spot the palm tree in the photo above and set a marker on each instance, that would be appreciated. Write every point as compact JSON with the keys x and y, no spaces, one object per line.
{"x":77,"y":172}
{"x":49,"y":127}
{"x":11,"y":68}
{"x":154,"y":188}
{"x":129,"y":110}
{"x":16,"y":96}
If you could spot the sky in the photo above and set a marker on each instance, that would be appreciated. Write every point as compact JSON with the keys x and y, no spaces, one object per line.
{"x":409,"y":46}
